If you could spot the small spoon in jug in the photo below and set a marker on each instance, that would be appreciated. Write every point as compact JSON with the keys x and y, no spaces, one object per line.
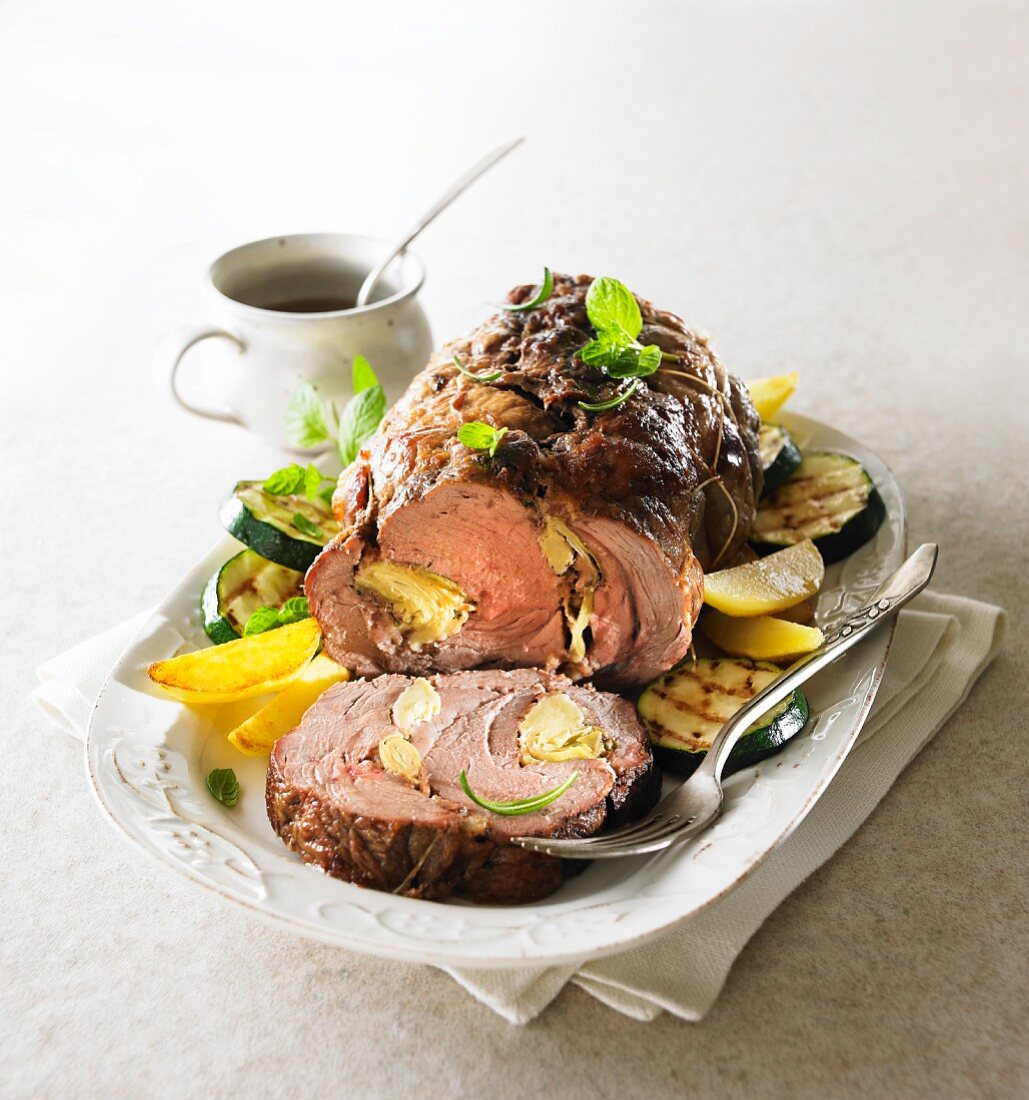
{"x":442,"y":203}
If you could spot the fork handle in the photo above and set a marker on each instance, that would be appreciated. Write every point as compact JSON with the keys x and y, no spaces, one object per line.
{"x":899,"y":589}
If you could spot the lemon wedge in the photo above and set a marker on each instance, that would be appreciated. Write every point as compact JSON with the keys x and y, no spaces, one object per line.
{"x":770,"y":394}
{"x":769,"y":585}
{"x":762,"y":639}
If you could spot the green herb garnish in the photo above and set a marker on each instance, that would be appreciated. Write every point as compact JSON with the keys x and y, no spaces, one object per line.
{"x":295,"y":479}
{"x":362,"y":413}
{"x":270,"y":618}
{"x":603,"y":406}
{"x":541,"y":295}
{"x":518,"y":805}
{"x":285,"y":481}
{"x":294,"y":609}
{"x":362,"y":376}
{"x":309,"y":423}
{"x":224,"y":786}
{"x":490,"y":376}
{"x":615,"y":315}
{"x":306,"y":527}
{"x":306,"y":423}
{"x":481,"y":437}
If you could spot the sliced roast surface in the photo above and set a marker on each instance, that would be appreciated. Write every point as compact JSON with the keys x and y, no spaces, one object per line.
{"x":332,"y":800}
{"x":651,"y":493}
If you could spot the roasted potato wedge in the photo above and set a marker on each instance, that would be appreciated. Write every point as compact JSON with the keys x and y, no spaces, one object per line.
{"x":238,"y":670}
{"x":258,"y":734}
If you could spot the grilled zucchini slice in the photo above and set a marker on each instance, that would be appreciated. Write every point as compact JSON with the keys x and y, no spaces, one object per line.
{"x":779,"y":456}
{"x":268,"y":524}
{"x":829,"y":499}
{"x":242,"y":585}
{"x":684,"y":710}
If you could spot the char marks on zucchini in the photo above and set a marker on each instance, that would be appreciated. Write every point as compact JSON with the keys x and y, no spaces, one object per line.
{"x":830,"y":499}
{"x":237,"y":589}
{"x":268,"y":524}
{"x":684,"y":710}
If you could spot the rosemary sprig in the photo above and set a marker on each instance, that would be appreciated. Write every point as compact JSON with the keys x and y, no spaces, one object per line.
{"x":603,"y":406}
{"x":485,"y":376}
{"x":519,"y":805}
{"x":541,"y":295}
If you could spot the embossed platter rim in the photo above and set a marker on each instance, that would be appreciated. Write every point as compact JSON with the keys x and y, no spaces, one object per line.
{"x":147,"y":758}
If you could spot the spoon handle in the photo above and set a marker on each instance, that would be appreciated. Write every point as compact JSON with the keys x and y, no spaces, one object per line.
{"x":442,"y":203}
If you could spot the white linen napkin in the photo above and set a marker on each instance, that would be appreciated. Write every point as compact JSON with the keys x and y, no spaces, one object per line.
{"x":943,"y":644}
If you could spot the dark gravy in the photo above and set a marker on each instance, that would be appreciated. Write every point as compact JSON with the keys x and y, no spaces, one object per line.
{"x":310,"y":305}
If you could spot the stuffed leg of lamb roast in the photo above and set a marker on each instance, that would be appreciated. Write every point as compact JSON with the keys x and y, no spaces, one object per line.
{"x":579,"y":545}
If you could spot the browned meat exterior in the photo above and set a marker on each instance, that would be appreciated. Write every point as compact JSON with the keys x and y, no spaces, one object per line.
{"x":332,"y":801}
{"x":657,"y":490}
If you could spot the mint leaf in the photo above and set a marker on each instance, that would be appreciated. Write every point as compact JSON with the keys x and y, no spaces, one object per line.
{"x":358,"y":421}
{"x":305,"y":417}
{"x":312,"y":482}
{"x":306,"y":527}
{"x":293,"y":610}
{"x":270,"y":618}
{"x":224,"y":786}
{"x":326,"y":494}
{"x":611,"y":357}
{"x":478,"y":436}
{"x":264,"y":618}
{"x":648,"y":360}
{"x":362,"y":375}
{"x":612,"y":310}
{"x":285,"y":481}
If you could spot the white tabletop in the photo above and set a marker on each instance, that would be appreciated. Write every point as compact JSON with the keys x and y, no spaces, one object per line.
{"x":834,"y":188}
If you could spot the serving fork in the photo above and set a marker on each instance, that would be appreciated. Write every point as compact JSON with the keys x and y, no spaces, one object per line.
{"x":698,"y":802}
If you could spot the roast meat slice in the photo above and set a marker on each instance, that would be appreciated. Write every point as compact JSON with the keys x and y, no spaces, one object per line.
{"x":331,"y":799}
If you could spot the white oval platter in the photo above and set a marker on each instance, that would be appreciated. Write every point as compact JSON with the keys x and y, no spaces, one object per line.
{"x":148,"y":757}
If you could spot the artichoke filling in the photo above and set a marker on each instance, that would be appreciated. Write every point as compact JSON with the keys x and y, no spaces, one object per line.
{"x":556,"y":729}
{"x":398,"y":756}
{"x":418,"y":702}
{"x":425,"y":606}
{"x":564,"y":550}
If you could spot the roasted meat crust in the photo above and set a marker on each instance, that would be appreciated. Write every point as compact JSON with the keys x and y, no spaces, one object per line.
{"x":661,"y":487}
{"x":642,"y":464}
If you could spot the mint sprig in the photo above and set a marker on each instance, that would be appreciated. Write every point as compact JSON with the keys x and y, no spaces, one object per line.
{"x":306,"y":423}
{"x":294,"y":480}
{"x":270,"y":618}
{"x":615,"y":316}
{"x":224,"y":786}
{"x":307,"y":527}
{"x":309,"y":423}
{"x":358,"y":420}
{"x":478,"y":436}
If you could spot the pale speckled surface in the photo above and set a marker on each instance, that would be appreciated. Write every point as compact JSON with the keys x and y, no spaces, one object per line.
{"x":836,"y":188}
